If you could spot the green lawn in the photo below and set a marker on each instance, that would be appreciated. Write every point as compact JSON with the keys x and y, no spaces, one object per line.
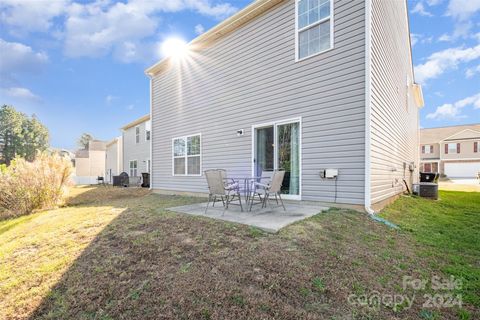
{"x":448,"y":232}
{"x":118,"y":254}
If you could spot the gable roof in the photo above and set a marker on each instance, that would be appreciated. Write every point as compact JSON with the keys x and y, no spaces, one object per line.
{"x":465,"y":134}
{"x":113,"y":141}
{"x":136,"y":122}
{"x":225,"y":27}
{"x":435,"y":135}
{"x":97,"y":145}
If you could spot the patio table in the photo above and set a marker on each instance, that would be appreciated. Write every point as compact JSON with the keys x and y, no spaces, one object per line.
{"x":247,"y":182}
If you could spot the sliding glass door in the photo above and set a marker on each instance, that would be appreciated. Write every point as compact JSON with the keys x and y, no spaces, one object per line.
{"x":277,"y":146}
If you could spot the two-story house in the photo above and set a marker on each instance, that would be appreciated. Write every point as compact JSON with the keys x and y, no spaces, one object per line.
{"x":451,"y":151}
{"x":113,"y":159}
{"x":135,"y":141}
{"x":300,"y":85}
{"x":90,"y":163}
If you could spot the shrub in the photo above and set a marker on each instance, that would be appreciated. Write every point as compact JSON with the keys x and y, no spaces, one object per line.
{"x":28,"y":186}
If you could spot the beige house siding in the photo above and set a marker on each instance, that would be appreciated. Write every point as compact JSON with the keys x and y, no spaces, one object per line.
{"x":90,"y":163}
{"x":82,"y":167}
{"x":434,"y":155}
{"x":394,"y":115}
{"x":465,"y":135}
{"x":466,"y":150}
{"x":97,"y":163}
{"x":114,"y":159}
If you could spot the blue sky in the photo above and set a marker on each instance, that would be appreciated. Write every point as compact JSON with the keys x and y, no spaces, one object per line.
{"x":79,"y":66}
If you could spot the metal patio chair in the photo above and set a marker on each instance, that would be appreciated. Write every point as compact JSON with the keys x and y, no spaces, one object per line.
{"x":264,"y":190}
{"x":219,"y":186}
{"x":101,"y":181}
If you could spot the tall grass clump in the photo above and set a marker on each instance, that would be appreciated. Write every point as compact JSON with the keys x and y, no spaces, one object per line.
{"x":27,"y":186}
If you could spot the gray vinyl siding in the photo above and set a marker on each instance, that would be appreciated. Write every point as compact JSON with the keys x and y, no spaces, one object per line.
{"x":394,"y":130}
{"x":135,"y":151}
{"x":250,"y":77}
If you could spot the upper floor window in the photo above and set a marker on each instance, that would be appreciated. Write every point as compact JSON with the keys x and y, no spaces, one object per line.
{"x":187,"y":155}
{"x":314,"y":27}
{"x":428,"y":148}
{"x":452,"y":148}
{"x":137,"y":134}
{"x":148,"y":127}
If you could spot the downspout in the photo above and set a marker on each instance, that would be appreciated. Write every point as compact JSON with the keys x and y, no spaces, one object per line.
{"x":368,"y":41}
{"x":151,"y":133}
{"x":368,"y":70}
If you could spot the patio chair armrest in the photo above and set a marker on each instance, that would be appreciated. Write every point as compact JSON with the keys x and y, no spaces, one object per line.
{"x":232,"y":186}
{"x":261,"y":185}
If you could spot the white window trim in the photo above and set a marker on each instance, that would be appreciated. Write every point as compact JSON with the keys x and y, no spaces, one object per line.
{"x":137,"y":127}
{"x":186,"y":156}
{"x":449,"y":151}
{"x":297,"y":31}
{"x":148,"y":131}
{"x":130,"y":168}
{"x":275,"y":124}
{"x":428,"y":147}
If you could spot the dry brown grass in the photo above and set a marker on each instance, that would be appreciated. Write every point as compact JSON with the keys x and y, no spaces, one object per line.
{"x":125,"y":257}
{"x":450,"y":186}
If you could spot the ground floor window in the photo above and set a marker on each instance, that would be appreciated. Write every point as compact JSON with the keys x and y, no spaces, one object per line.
{"x":187,"y":156}
{"x":430,"y":167}
{"x":133,"y":168}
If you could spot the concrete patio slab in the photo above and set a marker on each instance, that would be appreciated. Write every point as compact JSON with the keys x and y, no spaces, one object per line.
{"x":270,"y":219}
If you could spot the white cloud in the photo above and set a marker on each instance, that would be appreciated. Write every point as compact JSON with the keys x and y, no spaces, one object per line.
{"x":92,"y":31}
{"x":454,"y":110}
{"x":414,"y":37}
{"x":420,"y":38}
{"x":445,"y":38}
{"x":110,"y":98}
{"x":101,"y":27}
{"x":442,"y":61}
{"x":124,"y":29}
{"x":30,"y":16}
{"x":477,"y":36}
{"x":463,"y":9}
{"x":199,"y":29}
{"x":20,"y":93}
{"x":470,"y":72}
{"x":462,"y":29}
{"x":434,"y":2}
{"x":19,"y":58}
{"x":420,"y":9}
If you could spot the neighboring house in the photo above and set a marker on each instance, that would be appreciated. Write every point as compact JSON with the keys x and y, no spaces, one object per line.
{"x":90,"y":163}
{"x":452,"y":151}
{"x":136,"y":146}
{"x":113,"y":159}
{"x":299,"y":85}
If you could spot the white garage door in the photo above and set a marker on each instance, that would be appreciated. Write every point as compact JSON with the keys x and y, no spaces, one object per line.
{"x":462,"y":170}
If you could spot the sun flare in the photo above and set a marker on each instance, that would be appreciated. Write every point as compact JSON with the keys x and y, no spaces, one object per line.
{"x":174,"y":47}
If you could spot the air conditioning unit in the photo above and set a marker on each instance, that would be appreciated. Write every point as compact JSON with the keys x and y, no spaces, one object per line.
{"x":428,"y":190}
